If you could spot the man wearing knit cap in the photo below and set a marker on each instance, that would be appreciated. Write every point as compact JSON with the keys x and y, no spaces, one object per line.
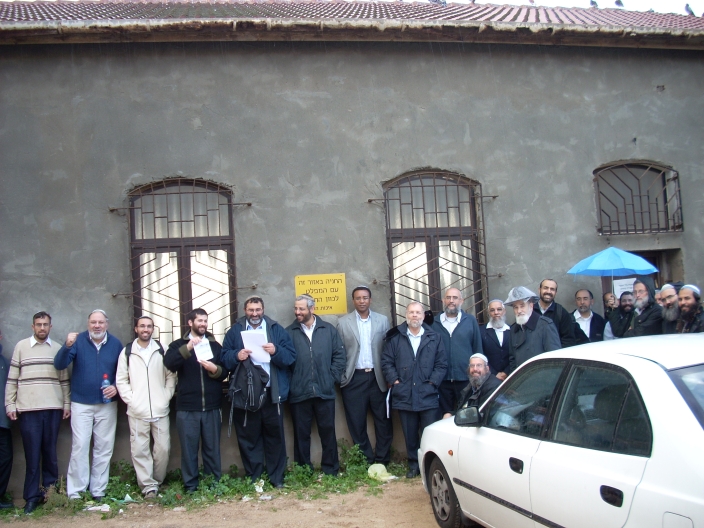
{"x":532,"y":333}
{"x":691,"y":319}
{"x":482,"y":383}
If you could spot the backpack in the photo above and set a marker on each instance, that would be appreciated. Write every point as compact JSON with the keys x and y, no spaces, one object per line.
{"x":246,"y":390}
{"x":128,"y":351}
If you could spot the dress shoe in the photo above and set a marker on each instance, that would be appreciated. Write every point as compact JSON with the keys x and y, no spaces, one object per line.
{"x":413,"y":472}
{"x":279,"y":486}
{"x":30,"y":506}
{"x":6,"y":504}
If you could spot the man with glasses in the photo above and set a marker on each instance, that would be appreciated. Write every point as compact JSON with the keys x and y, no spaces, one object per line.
{"x":38,"y":397}
{"x":94,"y":355}
{"x":647,"y":319}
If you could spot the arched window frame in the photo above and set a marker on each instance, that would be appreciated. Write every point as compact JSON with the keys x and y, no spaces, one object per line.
{"x":194,"y":227}
{"x":437,"y":243}
{"x":637,"y":197}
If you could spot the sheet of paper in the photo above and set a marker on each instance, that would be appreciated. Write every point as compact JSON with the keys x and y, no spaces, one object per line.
{"x":203,"y":351}
{"x":388,"y":404}
{"x":253,"y":340}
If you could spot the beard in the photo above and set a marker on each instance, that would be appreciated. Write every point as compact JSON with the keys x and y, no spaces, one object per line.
{"x":255,"y":321}
{"x":415,"y":324}
{"x":642,"y":303}
{"x":522,"y":319}
{"x":498,"y":324}
{"x":478,"y":381}
{"x":451,"y":311}
{"x":672,"y":313}
{"x":97,"y":336}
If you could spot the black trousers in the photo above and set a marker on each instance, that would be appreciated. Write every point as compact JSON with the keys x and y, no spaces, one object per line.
{"x":413,"y":423}
{"x":359,"y":395}
{"x":194,"y":428}
{"x":449,"y":392}
{"x":261,"y":441}
{"x":40,"y":431}
{"x":5,"y":459}
{"x":302,"y":414}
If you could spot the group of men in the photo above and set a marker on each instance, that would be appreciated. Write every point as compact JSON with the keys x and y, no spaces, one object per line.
{"x":426,"y":368}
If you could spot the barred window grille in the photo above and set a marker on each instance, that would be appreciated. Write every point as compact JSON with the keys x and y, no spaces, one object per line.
{"x":435,"y":240}
{"x":182,"y":254}
{"x":637,"y":197}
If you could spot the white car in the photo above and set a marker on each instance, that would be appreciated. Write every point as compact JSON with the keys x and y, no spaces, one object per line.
{"x":601,"y":435}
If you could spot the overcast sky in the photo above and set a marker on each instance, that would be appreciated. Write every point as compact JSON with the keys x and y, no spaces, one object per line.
{"x":660,"y":6}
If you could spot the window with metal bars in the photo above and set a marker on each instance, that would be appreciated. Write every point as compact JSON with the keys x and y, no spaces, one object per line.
{"x":637,"y":197}
{"x":182,"y":254}
{"x":435,"y":235}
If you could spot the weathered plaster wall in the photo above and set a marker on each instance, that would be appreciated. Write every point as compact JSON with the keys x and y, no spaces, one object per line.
{"x":307,"y":133}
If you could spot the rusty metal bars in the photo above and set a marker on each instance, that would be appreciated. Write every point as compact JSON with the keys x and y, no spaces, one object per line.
{"x":635,"y":198}
{"x":182,"y":254}
{"x":435,"y":237}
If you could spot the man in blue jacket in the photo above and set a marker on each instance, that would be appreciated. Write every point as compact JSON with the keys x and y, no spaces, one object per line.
{"x":94,"y":354}
{"x":461,"y":338}
{"x":414,"y":364}
{"x":320,"y":362}
{"x":197,"y":359}
{"x":261,"y":440}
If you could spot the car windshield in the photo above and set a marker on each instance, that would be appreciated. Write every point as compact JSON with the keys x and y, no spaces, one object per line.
{"x":690,"y":382}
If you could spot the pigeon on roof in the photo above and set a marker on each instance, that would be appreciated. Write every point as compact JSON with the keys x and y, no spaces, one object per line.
{"x":689,"y":10}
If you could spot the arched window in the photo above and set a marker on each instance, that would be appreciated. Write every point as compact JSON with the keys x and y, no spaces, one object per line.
{"x":637,"y":197}
{"x":435,"y":240}
{"x":182,"y":254}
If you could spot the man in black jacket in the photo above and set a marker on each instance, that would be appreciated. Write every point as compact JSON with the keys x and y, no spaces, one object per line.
{"x":547,"y":306}
{"x":691,"y":320}
{"x":619,"y":319}
{"x":647,"y":319}
{"x":591,"y":324}
{"x":495,"y":339}
{"x":260,"y":434}
{"x":196,"y":358}
{"x":414,"y":364}
{"x":482,"y":384}
{"x":320,"y":362}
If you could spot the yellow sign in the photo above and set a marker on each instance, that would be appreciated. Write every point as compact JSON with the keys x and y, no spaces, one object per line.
{"x":329,"y":291}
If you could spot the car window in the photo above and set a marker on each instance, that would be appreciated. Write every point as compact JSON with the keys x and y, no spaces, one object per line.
{"x":601,"y":409}
{"x":690,"y":382}
{"x":523,"y":402}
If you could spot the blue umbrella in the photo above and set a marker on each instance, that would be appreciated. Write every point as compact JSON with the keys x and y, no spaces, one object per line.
{"x":613,"y":262}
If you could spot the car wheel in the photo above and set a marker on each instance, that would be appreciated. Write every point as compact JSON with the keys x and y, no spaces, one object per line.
{"x":442,"y":496}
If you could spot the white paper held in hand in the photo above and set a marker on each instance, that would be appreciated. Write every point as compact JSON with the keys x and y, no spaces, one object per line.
{"x":254,"y":340}
{"x":203,"y":350}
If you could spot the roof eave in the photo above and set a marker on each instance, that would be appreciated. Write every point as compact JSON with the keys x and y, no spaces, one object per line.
{"x":344,"y":30}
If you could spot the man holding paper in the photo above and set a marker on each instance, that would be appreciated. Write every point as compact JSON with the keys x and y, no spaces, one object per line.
{"x":264,"y":342}
{"x":196,"y":358}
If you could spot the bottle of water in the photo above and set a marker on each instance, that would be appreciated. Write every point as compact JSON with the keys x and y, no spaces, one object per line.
{"x":105,"y":383}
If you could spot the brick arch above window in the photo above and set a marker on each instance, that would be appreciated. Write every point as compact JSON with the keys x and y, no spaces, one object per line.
{"x":435,"y":240}
{"x":637,"y":196}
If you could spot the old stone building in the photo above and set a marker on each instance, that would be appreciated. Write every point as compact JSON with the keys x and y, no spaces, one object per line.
{"x":158,"y":157}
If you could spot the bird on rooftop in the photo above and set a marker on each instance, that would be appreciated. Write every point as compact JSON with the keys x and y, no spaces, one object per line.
{"x":618,"y":3}
{"x":593,"y":3}
{"x":531,"y":2}
{"x":689,"y":10}
{"x":438,"y":2}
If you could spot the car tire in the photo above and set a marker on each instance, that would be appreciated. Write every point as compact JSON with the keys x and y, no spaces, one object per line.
{"x":446,"y":508}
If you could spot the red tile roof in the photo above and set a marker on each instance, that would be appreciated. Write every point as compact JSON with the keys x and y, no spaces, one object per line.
{"x":342,"y":20}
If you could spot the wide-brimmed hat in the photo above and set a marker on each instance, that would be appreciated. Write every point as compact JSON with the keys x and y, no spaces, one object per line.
{"x":520,"y":293}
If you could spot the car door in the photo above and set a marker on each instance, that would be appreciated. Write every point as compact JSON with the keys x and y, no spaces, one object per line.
{"x":496,"y":458}
{"x":586,"y":474}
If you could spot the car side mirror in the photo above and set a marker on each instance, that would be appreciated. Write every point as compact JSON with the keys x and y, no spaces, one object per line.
{"x":468,"y":417}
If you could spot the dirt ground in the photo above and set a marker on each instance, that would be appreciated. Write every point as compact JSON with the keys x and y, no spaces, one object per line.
{"x":402,"y":503}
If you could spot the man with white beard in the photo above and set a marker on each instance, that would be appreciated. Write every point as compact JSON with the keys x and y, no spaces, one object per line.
{"x":532,"y":333}
{"x":670,"y":309}
{"x":648,"y":315}
{"x":495,"y":339}
{"x":94,"y":354}
{"x":482,"y":384}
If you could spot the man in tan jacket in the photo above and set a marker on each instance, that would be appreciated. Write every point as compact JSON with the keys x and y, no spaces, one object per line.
{"x":147,"y":387}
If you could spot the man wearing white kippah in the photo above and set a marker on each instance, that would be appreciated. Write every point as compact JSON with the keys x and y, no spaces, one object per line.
{"x":482,"y":384}
{"x":691,"y":319}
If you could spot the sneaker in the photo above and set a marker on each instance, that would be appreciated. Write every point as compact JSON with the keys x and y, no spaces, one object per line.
{"x":150,"y":495}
